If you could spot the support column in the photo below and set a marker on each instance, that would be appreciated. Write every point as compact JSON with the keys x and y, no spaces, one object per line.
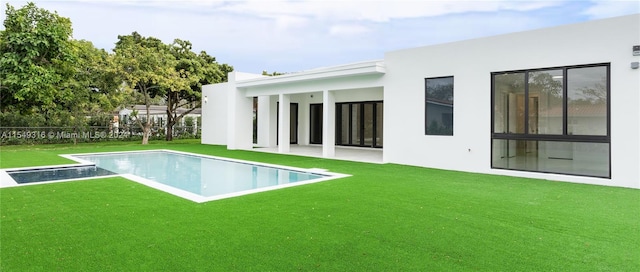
{"x":328,"y":124}
{"x":239,"y":125}
{"x":284,"y":119}
{"x":264,"y":121}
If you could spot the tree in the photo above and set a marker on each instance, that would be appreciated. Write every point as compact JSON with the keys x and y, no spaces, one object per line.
{"x":96,"y":75}
{"x":48,"y":75}
{"x":148,"y":67}
{"x":37,"y":62}
{"x":190,"y":69}
{"x":197,"y":70}
{"x":265,"y":73}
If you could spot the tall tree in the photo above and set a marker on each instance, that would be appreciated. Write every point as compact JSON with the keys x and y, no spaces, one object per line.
{"x":197,"y":70}
{"x":96,"y":74}
{"x":190,"y":69}
{"x":37,"y":62}
{"x":148,"y":67}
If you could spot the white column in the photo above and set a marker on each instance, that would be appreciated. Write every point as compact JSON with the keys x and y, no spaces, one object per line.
{"x":273,"y":120}
{"x":240,"y":122}
{"x":328,"y":124}
{"x":264,"y":121}
{"x":283,"y":124}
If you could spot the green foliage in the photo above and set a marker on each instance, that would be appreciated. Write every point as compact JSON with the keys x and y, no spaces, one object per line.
{"x":15,"y":119}
{"x":274,"y":73}
{"x":45,"y":73}
{"x":148,"y":67}
{"x":188,"y":121}
{"x":197,"y":70}
{"x":97,"y":76}
{"x":37,"y":61}
{"x":49,"y":79}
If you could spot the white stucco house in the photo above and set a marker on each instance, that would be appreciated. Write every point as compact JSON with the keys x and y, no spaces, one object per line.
{"x":559,"y":103}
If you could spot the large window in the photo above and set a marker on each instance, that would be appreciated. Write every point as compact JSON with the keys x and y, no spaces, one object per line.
{"x":359,"y":124}
{"x":438,"y":106}
{"x":552,"y":120}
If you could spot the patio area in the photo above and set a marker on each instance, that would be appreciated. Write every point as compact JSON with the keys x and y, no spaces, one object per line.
{"x":370,"y":155}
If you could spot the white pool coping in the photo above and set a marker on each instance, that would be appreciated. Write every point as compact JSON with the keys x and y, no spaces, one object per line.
{"x":7,"y":181}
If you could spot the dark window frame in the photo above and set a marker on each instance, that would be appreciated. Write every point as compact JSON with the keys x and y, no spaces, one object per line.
{"x":311,"y":106}
{"x":564,"y":137}
{"x":426,"y":106}
{"x":255,"y":120}
{"x":361,"y":140}
{"x":291,"y":140}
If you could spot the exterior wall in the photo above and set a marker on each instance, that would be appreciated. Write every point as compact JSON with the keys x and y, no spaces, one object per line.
{"x":240,"y":110}
{"x":471,"y":62}
{"x":214,"y":114}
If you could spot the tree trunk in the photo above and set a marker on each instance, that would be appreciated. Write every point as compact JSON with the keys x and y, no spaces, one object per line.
{"x":171,"y":118}
{"x":146,"y":128}
{"x":145,"y":133}
{"x":169,"y":136}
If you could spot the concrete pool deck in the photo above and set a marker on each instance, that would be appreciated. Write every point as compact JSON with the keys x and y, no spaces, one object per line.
{"x":358,"y":154}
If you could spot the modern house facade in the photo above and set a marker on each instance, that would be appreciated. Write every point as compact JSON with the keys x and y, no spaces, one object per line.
{"x":560,"y":103}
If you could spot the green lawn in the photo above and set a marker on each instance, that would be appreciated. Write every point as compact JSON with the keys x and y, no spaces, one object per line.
{"x":383,"y":218}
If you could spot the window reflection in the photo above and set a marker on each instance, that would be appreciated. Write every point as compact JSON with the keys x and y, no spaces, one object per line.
{"x":576,"y":158}
{"x":587,"y":101}
{"x":545,"y":102}
{"x":509,"y":103}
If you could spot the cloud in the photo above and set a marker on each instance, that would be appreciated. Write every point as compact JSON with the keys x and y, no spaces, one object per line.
{"x":348,"y":29}
{"x":292,"y":35}
{"x":605,"y":9}
{"x":375,"y":11}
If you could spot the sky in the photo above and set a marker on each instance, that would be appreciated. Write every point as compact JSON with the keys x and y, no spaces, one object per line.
{"x":296,"y":35}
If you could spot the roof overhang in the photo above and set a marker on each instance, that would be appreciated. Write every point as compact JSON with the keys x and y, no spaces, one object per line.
{"x":349,"y":70}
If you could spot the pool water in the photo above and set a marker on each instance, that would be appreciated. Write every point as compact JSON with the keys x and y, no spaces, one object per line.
{"x":204,"y":176}
{"x":50,"y":174}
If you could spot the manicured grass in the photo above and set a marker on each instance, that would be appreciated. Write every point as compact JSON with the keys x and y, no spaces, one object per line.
{"x":383,"y":218}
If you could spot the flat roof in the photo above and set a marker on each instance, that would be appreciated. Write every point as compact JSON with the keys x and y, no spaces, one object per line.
{"x":347,"y":70}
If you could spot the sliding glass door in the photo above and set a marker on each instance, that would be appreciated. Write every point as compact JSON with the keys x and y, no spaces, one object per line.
{"x":359,"y":124}
{"x":315,"y":121}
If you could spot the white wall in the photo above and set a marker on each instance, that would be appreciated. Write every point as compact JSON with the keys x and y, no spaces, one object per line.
{"x":214,"y":114}
{"x":471,"y":62}
{"x":240,"y":113}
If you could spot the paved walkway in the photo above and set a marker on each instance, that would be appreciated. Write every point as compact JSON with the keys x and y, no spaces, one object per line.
{"x":371,"y":155}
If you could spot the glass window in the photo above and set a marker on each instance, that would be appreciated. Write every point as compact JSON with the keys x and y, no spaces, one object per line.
{"x":439,"y":106}
{"x":344,"y":124}
{"x":315,"y":126}
{"x":355,"y":123}
{"x":368,"y":124}
{"x":587,"y":101}
{"x":509,"y":103}
{"x":379,"y":124}
{"x":575,"y":158}
{"x":359,"y":124}
{"x":557,"y":122}
{"x":255,"y":120}
{"x":545,"y":102}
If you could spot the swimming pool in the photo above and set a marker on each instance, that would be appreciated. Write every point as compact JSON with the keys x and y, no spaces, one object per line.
{"x":197,"y":177}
